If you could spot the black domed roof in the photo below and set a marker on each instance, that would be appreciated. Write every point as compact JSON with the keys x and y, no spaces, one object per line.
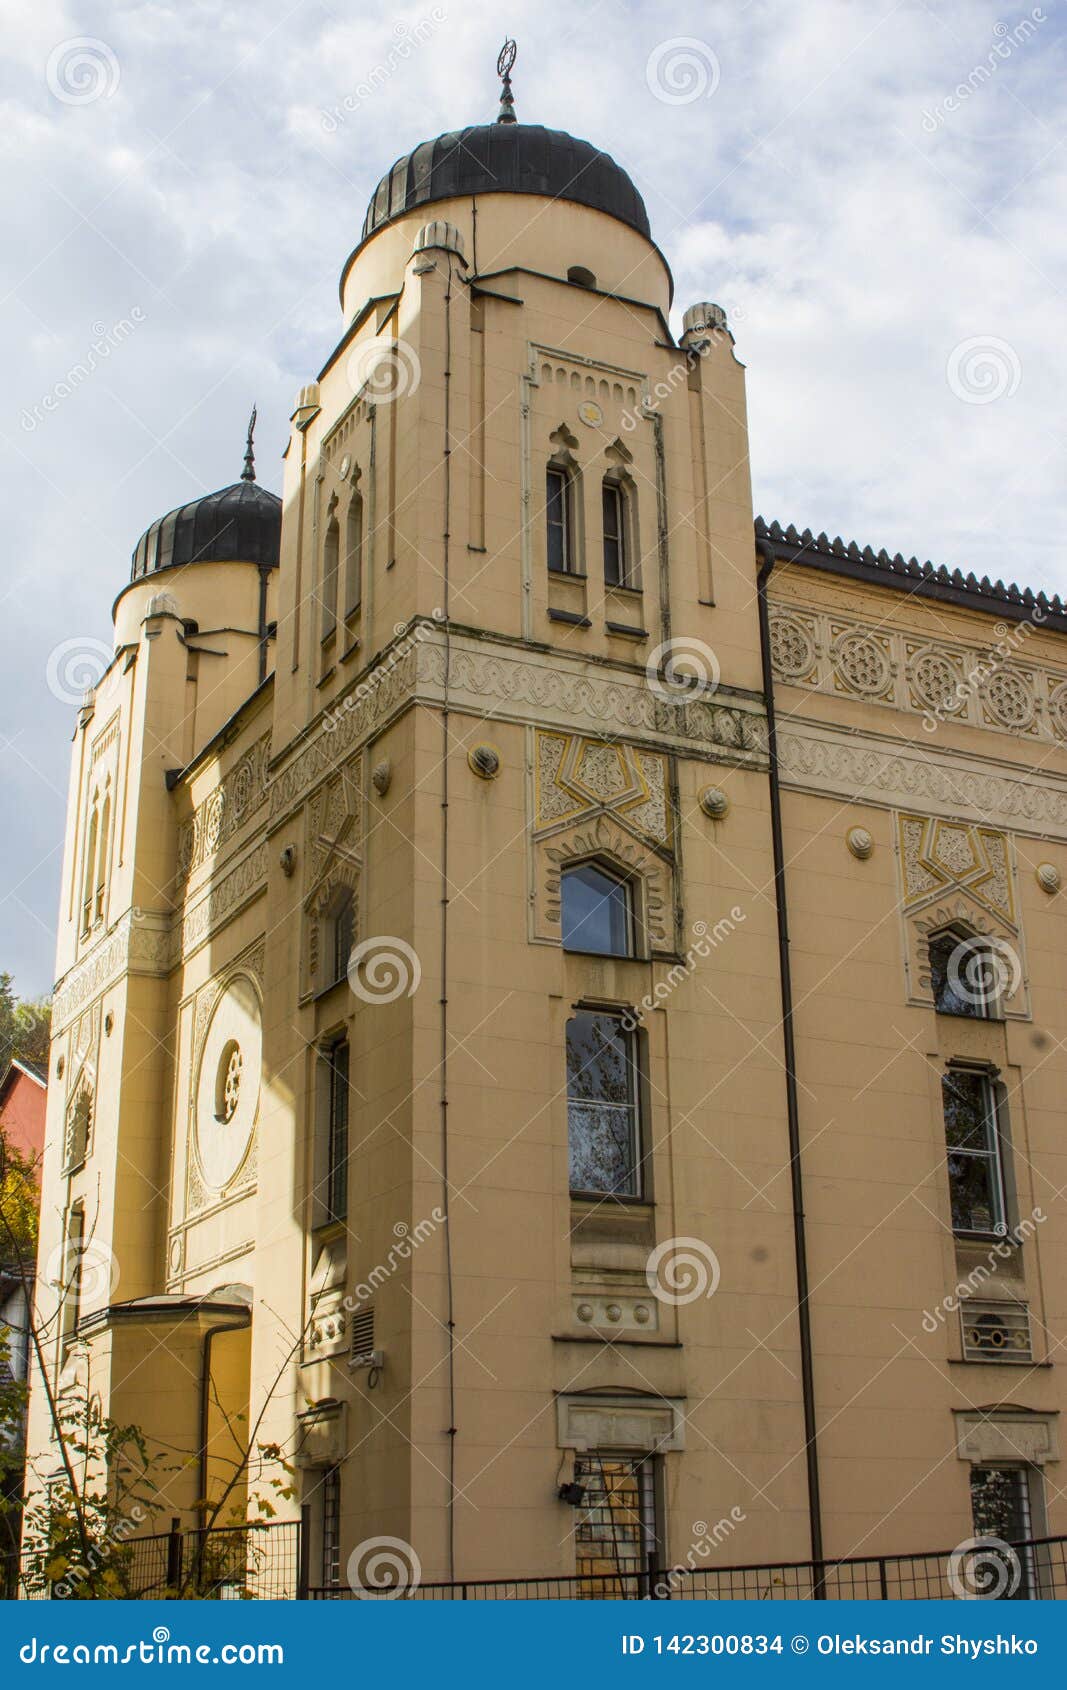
{"x":507,"y":158}
{"x":242,"y":523}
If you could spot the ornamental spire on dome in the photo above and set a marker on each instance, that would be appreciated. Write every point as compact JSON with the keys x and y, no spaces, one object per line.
{"x":249,"y":471}
{"x":505,"y":60}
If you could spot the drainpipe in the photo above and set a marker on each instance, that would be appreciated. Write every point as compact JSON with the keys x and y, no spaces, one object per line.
{"x":807,"y":1374}
{"x":445,"y":748}
{"x":205,"y":1409}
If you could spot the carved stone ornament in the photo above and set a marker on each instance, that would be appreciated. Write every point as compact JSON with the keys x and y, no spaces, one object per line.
{"x":1048,"y":877}
{"x":382,"y":777}
{"x":860,"y":843}
{"x":485,"y":761}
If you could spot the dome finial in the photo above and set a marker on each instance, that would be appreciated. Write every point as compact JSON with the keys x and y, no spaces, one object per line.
{"x":249,"y":471}
{"x":505,"y":60}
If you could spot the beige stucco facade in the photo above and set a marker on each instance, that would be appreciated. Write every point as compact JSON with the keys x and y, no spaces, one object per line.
{"x":519,"y":1329}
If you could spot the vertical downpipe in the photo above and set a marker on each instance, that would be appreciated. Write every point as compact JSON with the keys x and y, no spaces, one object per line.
{"x":807,"y":1372}
{"x":446,"y":607}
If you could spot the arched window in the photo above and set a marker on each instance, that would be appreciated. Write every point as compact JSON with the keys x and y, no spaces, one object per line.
{"x":616,"y":562}
{"x":354,"y":556}
{"x":89,"y":874}
{"x":596,"y":911}
{"x":330,"y":555}
{"x":964,"y":974}
{"x":342,"y":933}
{"x":71,"y":1287}
{"x":559,"y":520}
{"x":101,"y":858}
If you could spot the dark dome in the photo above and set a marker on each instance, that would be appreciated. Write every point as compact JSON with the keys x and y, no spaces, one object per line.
{"x":242,"y":522}
{"x":507,"y":158}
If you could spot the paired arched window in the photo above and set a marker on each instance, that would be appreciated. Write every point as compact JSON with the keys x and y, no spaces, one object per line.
{"x":94,"y":877}
{"x":559,"y":520}
{"x":620,"y":548}
{"x":330,"y":561}
{"x":596,"y":912}
{"x":353,"y":556}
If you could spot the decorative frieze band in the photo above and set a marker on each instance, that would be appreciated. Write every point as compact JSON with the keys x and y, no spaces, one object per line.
{"x":865,"y":769}
{"x":940,"y":680}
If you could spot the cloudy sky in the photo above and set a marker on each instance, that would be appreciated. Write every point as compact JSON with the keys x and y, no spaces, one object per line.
{"x":874,"y":190}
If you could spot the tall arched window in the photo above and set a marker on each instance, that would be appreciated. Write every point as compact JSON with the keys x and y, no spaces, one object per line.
{"x":89,"y":873}
{"x":559,"y":520}
{"x":330,"y":555}
{"x":101,"y":858}
{"x":616,"y":562}
{"x":354,"y":556}
{"x":596,"y":911}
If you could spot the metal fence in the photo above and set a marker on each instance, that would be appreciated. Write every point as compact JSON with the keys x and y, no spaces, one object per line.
{"x":253,"y":1562}
{"x":1034,"y":1570}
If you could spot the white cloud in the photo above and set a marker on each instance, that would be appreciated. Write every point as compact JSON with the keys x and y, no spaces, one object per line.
{"x":854,"y":248}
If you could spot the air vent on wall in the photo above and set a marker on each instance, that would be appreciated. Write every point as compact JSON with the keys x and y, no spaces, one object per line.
{"x":995,"y":1331}
{"x":362,"y":1352}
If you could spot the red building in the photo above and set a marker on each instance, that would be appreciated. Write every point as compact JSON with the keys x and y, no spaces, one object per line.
{"x":23,"y":1101}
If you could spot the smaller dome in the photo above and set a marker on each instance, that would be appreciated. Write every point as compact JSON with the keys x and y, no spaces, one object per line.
{"x":239,"y":523}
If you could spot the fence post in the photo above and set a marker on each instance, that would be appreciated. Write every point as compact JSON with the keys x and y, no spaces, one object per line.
{"x":303,"y":1552}
{"x":174,"y":1554}
{"x":882,"y":1580}
{"x":653,"y":1592}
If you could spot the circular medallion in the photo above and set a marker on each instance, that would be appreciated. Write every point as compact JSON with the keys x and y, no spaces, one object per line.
{"x":791,"y":649}
{"x":590,"y":413}
{"x":1009,"y":699}
{"x":862,"y":664}
{"x":227,"y":1091}
{"x":935,"y":680}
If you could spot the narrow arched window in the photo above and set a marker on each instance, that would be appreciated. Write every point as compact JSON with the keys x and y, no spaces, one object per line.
{"x":354,"y":556}
{"x":559,"y":519}
{"x":101,"y":858}
{"x":330,"y":555}
{"x":596,"y":911}
{"x":88,"y":880}
{"x":342,"y":933}
{"x":616,"y":559}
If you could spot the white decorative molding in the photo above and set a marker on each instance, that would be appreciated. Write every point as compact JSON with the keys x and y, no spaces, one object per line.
{"x":655,"y":1424}
{"x":864,"y":768}
{"x":986,"y":686}
{"x":992,"y":1437}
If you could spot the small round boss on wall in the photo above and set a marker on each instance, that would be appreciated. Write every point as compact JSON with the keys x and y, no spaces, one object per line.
{"x":485,"y":761}
{"x":714,"y":803}
{"x":860,"y":843}
{"x":228,"y":1083}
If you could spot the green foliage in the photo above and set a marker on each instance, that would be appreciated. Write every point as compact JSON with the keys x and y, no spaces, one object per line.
{"x":77,"y":1541}
{"x":25,"y":1025}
